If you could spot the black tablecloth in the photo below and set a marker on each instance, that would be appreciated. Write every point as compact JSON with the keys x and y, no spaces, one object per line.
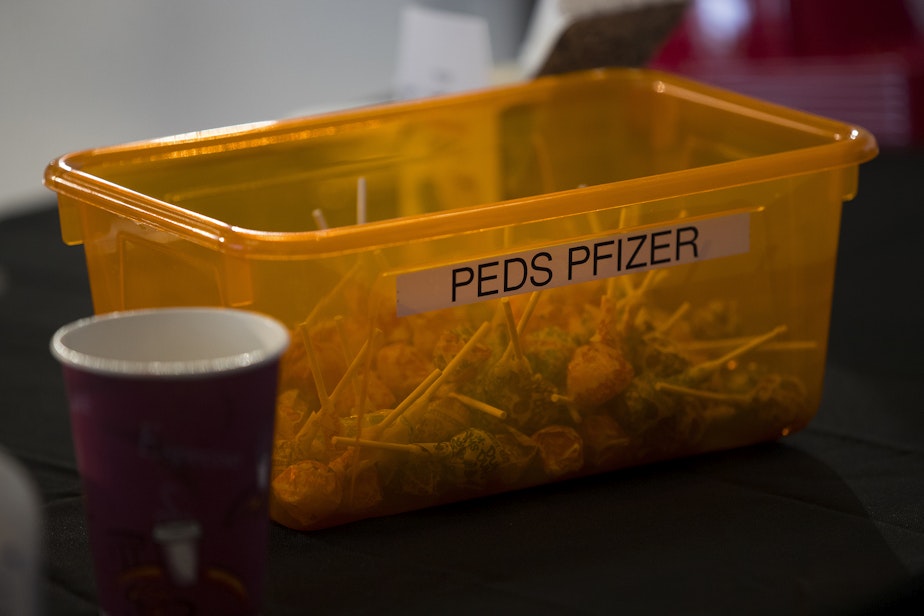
{"x":826,"y":521}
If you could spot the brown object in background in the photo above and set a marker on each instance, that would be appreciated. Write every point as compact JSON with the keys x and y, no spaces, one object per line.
{"x":622,"y":36}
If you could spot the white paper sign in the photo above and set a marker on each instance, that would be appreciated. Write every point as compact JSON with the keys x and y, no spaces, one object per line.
{"x":572,"y":263}
{"x":440,"y":52}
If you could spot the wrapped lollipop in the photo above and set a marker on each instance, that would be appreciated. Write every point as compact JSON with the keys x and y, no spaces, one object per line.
{"x":597,"y":373}
{"x":325,"y":422}
{"x":526,"y":395}
{"x":421,"y":477}
{"x":398,"y":426}
{"x":528,"y":399}
{"x":775,"y":405}
{"x":361,"y":483}
{"x":618,"y":312}
{"x":606,"y":444}
{"x":474,"y":459}
{"x":780,"y":401}
{"x":652,"y":411}
{"x":304,"y":445}
{"x":444,"y":417}
{"x":305,"y":494}
{"x":656,"y":421}
{"x":654,"y":351}
{"x":548,"y":351}
{"x":291,"y":414}
{"x":294,"y":367}
{"x":659,"y":356}
{"x":401,"y":367}
{"x":357,"y":425}
{"x":570,"y":309}
{"x":561,"y":449}
{"x":716,"y":319}
{"x":449,"y":347}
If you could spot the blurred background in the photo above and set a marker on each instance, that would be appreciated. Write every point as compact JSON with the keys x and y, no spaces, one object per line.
{"x":77,"y":75}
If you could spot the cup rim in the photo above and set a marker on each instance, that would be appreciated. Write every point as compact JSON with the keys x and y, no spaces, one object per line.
{"x":274,"y":336}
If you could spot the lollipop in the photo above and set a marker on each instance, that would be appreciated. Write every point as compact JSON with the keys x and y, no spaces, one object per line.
{"x":304,"y":494}
{"x":561,"y":450}
{"x":597,"y":373}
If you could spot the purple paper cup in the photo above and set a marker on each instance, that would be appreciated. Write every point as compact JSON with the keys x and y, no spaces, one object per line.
{"x":172,"y":415}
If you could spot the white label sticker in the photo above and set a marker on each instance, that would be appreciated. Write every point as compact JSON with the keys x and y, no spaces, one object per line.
{"x":572,"y":263}
{"x":441,"y":52}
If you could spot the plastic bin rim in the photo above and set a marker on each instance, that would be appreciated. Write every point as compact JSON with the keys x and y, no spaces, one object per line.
{"x":849,"y":145}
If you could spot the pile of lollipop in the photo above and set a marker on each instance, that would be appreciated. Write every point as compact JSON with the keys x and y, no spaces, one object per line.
{"x":379,"y":415}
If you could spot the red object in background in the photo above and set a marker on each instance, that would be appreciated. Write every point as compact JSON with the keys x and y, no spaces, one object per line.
{"x":852,"y":60}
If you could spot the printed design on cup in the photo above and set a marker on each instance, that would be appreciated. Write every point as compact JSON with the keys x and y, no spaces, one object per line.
{"x":151,"y":587}
{"x":148,"y":590}
{"x":179,"y":545}
{"x":151,"y":582}
{"x":152,"y":446}
{"x":155,"y":579}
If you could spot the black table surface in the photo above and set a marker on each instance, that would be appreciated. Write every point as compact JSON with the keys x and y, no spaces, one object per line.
{"x":826,"y":521}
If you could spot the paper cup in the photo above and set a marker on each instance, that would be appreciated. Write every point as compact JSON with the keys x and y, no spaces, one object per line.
{"x":172,"y":419}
